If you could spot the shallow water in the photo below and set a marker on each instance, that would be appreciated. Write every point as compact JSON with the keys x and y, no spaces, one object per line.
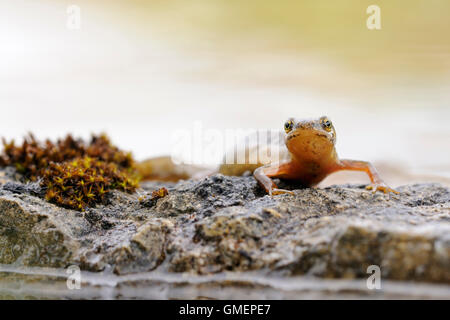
{"x":44,"y":283}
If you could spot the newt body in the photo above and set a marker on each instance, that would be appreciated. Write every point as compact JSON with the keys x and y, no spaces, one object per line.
{"x":311,"y":145}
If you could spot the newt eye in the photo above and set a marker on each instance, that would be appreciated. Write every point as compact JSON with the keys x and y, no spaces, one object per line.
{"x":288,"y":126}
{"x":327,"y":124}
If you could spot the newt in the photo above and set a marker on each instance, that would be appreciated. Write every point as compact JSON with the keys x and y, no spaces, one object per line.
{"x":310,"y":157}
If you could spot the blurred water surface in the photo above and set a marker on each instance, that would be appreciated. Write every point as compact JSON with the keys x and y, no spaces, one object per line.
{"x":49,"y":283}
{"x":139,"y":70}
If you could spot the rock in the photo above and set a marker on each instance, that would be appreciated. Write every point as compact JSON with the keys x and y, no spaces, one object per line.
{"x":228,"y":224}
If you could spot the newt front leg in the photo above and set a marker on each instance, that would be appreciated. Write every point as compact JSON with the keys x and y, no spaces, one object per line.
{"x":263,"y":176}
{"x":377,"y":183}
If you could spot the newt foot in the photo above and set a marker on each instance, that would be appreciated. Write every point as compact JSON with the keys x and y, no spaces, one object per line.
{"x":274,"y":192}
{"x":381,"y":187}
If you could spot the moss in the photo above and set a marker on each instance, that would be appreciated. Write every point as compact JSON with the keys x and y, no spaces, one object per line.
{"x":156,"y":194}
{"x":84,"y":182}
{"x":74,"y":174}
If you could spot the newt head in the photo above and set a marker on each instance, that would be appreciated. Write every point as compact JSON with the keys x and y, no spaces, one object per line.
{"x":311,"y":140}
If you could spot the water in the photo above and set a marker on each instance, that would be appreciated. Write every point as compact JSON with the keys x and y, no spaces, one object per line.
{"x":45,"y":283}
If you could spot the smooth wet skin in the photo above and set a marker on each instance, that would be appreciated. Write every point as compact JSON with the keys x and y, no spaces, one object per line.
{"x":311,"y":144}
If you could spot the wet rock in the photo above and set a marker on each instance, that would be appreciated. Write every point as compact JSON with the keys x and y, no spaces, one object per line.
{"x":32,"y":188}
{"x":228,"y":224}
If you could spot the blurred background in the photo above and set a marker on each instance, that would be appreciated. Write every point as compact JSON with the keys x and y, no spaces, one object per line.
{"x":138,"y":70}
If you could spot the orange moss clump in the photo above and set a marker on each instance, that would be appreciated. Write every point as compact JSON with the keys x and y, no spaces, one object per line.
{"x":32,"y":157}
{"x":75,"y":175}
{"x":84,"y":182}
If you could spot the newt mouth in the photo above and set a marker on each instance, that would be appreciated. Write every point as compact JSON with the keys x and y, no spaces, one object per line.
{"x":308,"y":134}
{"x":292,"y":136}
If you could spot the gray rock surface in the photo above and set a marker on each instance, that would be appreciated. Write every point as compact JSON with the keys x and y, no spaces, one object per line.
{"x":224,"y":224}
